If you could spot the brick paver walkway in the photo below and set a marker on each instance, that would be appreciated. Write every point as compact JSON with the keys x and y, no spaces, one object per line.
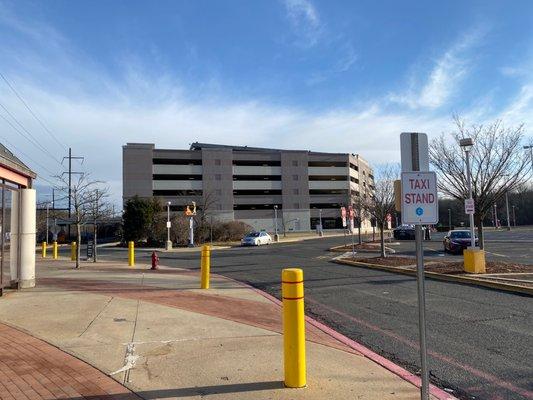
{"x":31,"y":369}
{"x":259,"y":314}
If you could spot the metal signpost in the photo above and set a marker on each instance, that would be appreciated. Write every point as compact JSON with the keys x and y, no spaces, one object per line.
{"x":419,"y":204}
{"x":352,"y":228}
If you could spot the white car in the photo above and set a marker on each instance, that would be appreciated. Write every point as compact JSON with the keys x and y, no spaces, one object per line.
{"x":256,"y":239}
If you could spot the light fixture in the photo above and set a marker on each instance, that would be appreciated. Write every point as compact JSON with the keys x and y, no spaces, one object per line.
{"x":466,"y":143}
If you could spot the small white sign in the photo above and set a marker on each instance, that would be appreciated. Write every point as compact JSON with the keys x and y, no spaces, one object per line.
{"x":168,"y":224}
{"x":420,"y":204}
{"x":469,"y":206}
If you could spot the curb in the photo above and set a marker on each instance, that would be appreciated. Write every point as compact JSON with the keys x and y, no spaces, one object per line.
{"x":442,"y":277}
{"x":434,"y":391}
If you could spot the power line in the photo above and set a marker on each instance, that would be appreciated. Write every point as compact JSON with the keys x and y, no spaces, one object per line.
{"x":31,"y":111}
{"x":31,"y":138}
{"x":27,"y":156}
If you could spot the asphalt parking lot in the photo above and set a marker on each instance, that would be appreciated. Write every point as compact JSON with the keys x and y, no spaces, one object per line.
{"x":514,"y":246}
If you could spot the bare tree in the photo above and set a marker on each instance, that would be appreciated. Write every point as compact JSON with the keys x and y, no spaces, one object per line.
{"x":379,"y":203}
{"x":498,"y":165}
{"x":83,"y":200}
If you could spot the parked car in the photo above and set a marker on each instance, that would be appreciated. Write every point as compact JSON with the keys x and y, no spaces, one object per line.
{"x":256,"y":239}
{"x":457,"y":240}
{"x":404,"y":231}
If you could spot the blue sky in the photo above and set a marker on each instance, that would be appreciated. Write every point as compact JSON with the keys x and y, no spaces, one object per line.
{"x":318,"y":75}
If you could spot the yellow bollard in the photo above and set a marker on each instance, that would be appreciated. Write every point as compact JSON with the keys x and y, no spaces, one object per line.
{"x":131,"y":254}
{"x":205,"y":266}
{"x":54,"y":250}
{"x":43,"y":249}
{"x":73,"y":250}
{"x":292,"y":291}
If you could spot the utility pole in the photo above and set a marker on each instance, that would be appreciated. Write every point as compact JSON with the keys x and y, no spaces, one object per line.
{"x":47,"y":216}
{"x":70,"y":173}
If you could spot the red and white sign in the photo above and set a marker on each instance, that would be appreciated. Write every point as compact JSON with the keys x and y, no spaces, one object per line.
{"x":420,"y":205}
{"x":343,"y":215}
{"x":470,"y":208}
{"x":351,"y":214}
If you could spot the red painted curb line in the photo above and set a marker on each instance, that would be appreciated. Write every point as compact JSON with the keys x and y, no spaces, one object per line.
{"x":380,"y":360}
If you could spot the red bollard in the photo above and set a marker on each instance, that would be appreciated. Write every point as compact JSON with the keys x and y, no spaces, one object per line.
{"x":155,"y":260}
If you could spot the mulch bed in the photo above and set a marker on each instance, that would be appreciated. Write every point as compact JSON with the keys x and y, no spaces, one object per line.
{"x":446,"y":267}
{"x":492,"y":267}
{"x":387,"y":261}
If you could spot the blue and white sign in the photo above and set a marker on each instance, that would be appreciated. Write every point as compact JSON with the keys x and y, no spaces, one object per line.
{"x":420,"y":204}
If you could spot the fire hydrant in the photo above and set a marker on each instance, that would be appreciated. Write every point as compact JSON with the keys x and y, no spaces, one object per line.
{"x":155,"y":260}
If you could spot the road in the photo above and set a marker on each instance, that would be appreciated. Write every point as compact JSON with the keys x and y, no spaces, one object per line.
{"x":480,"y":341}
{"x":501,"y":245}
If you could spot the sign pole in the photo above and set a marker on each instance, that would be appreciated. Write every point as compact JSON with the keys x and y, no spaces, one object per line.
{"x":353,"y":241}
{"x":418,"y":151}
{"x":421,"y":310}
{"x":420,"y":285}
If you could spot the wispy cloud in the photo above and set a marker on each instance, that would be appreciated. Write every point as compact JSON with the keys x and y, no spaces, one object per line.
{"x":305,"y":21}
{"x":96,"y":114}
{"x":445,"y":77}
{"x":347,"y":58}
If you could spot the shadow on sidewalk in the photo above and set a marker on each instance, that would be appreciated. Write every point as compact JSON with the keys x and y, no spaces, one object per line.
{"x":192,"y":391}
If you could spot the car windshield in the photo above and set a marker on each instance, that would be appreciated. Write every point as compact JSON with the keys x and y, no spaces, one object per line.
{"x":460,"y":235}
{"x":253,"y":234}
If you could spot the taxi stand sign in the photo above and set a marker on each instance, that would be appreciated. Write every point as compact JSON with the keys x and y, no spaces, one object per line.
{"x":420,"y":204}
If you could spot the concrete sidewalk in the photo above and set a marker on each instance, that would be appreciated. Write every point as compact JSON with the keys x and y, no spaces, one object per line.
{"x":158,"y":335}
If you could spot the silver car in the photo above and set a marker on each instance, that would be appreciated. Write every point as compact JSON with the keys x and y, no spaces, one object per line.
{"x":256,"y":239}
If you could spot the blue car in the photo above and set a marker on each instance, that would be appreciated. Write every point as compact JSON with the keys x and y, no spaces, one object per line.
{"x":458,"y":240}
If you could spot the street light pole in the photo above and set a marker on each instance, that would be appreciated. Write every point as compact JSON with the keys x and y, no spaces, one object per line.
{"x":467,"y":146}
{"x":276,"y":236}
{"x":530,"y":148}
{"x":320,"y":233}
{"x":507,"y":209}
{"x":169,"y":243}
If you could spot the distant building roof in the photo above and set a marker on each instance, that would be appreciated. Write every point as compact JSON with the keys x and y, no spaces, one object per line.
{"x":8,"y":159}
{"x":198,"y":146}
